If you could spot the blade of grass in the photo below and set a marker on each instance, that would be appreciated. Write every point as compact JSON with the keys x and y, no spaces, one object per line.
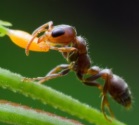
{"x":56,"y":99}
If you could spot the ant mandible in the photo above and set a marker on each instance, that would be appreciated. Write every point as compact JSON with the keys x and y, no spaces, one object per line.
{"x":75,"y":50}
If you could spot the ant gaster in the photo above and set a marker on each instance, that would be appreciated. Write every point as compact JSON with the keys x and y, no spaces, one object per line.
{"x":75,"y":50}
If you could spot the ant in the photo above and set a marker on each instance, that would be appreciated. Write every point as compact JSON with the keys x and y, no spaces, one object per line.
{"x":74,"y":49}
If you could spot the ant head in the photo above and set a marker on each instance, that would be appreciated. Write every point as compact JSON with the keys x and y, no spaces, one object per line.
{"x":119,"y":90}
{"x":61,"y":34}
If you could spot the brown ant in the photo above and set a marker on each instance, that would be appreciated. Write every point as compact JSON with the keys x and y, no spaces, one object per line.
{"x":75,"y":50}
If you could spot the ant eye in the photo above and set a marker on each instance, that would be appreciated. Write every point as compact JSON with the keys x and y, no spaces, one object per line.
{"x":57,"y":32}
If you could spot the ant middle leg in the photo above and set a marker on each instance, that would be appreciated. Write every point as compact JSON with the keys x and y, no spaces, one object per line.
{"x":58,"y":71}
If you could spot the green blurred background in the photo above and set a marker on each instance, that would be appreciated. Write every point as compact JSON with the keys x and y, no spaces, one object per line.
{"x":111,"y":29}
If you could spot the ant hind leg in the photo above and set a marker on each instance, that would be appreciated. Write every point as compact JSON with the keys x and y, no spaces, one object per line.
{"x":104,"y":101}
{"x":96,"y":73}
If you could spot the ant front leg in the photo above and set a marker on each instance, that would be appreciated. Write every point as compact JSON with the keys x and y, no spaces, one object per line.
{"x":58,"y":71}
{"x":41,"y":29}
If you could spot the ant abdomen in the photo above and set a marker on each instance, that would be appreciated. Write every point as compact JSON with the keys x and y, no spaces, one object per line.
{"x":119,"y":90}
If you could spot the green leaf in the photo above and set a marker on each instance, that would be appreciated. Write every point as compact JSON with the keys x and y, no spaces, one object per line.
{"x":5,"y":23}
{"x":3,"y":29}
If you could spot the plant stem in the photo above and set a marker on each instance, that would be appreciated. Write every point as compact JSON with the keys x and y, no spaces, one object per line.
{"x":19,"y":115}
{"x":50,"y":96}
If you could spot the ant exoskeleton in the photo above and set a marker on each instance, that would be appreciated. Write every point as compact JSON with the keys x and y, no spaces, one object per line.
{"x":75,"y":50}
